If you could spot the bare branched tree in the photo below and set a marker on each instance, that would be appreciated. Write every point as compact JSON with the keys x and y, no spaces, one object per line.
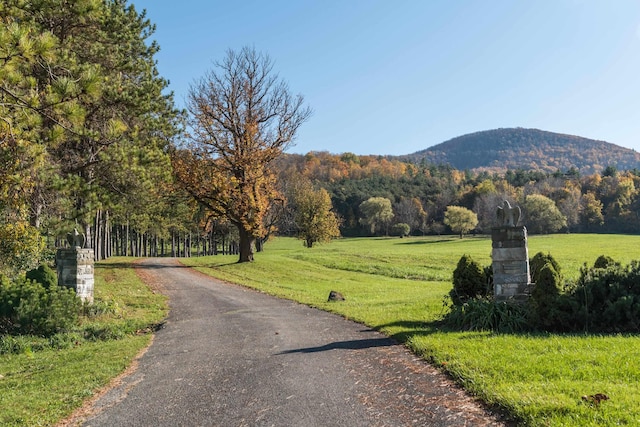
{"x":242,"y":117}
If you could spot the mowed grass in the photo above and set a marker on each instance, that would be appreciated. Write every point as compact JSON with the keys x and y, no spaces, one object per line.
{"x":39,"y":388}
{"x":398,"y":286}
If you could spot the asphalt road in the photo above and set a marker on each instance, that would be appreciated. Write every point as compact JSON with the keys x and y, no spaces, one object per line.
{"x":229,"y":356}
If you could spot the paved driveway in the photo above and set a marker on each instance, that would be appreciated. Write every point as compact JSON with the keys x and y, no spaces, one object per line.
{"x":229,"y":356}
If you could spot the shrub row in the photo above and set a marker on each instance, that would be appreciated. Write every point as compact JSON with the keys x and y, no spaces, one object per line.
{"x":605,"y":298}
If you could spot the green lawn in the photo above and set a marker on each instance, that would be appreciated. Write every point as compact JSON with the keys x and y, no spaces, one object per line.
{"x":39,"y":388}
{"x":398,"y":285}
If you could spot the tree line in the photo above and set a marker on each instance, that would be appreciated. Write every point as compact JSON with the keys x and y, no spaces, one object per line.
{"x":562,"y":201}
{"x":86,"y":129}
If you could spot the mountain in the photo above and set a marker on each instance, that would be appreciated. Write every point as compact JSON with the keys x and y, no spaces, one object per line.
{"x":529,"y":149}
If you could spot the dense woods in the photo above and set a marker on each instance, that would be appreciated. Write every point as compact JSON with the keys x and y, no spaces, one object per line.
{"x":84,"y":130}
{"x":564,"y":201}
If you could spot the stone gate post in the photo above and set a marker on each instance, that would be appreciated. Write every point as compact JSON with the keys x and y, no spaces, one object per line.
{"x":74,"y":266}
{"x":510,"y":256}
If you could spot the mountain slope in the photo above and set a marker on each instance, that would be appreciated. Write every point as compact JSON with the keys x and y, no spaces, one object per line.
{"x":530,"y":149}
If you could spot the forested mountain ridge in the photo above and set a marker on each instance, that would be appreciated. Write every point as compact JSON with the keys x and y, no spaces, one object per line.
{"x":529,"y":149}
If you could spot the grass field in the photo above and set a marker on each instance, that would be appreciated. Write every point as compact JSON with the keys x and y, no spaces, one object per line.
{"x":39,"y":388}
{"x":398,"y":285}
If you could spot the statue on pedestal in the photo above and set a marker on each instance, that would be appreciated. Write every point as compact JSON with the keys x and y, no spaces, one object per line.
{"x":75,"y":239}
{"x":508,"y":216}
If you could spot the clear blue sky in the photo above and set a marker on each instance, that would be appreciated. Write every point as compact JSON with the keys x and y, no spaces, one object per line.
{"x":395,"y":77}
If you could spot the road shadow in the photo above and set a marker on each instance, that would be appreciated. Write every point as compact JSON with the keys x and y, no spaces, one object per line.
{"x":346,"y":345}
{"x":137,"y":263}
{"x":152,"y":266}
{"x":159,"y":266}
{"x":422,"y":242}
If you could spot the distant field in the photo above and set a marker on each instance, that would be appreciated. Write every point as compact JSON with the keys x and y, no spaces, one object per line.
{"x":398,"y":286}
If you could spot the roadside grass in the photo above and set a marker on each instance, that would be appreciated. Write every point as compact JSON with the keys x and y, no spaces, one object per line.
{"x":41,"y":386}
{"x":398,"y":286}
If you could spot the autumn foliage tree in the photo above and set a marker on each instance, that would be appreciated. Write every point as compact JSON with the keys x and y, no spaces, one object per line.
{"x":376,"y":212}
{"x":242,"y":117}
{"x":461,"y":220}
{"x":542,"y":215}
{"x":313,"y":215}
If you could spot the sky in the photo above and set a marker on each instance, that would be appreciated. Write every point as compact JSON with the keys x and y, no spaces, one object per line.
{"x":395,"y":77}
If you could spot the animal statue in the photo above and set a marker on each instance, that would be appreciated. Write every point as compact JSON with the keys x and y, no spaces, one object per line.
{"x":75,"y":239}
{"x":508,"y":216}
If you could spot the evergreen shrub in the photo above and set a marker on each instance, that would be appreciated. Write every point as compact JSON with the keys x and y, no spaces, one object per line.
{"x":43,"y":275}
{"x":538,"y":261}
{"x":604,"y":261}
{"x":608,"y":299}
{"x":544,"y":296}
{"x":469,"y":281}
{"x":27,"y":307}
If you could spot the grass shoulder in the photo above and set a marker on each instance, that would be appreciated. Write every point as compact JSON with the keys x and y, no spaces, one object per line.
{"x":43,"y":382}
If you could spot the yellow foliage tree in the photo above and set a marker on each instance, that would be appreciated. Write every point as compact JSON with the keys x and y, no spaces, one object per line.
{"x":460,"y":219}
{"x":313,"y":215}
{"x":20,"y":247}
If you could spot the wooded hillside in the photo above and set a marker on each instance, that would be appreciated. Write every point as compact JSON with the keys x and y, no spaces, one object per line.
{"x":529,"y":149}
{"x":420,"y":194}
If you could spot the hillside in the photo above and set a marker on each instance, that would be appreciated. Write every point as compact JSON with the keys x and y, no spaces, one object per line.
{"x":530,"y":149}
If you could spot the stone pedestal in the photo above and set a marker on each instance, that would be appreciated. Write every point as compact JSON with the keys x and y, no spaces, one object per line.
{"x":75,"y":270}
{"x":510,"y":262}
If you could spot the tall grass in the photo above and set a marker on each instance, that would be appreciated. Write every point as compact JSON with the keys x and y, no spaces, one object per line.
{"x":398,"y":286}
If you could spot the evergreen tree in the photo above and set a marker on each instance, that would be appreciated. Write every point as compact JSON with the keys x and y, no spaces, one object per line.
{"x":79,"y":87}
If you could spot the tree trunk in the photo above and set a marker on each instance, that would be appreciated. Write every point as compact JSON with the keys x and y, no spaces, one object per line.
{"x":106,"y":236}
{"x":145,"y":244}
{"x":36,"y":212}
{"x":87,"y":235}
{"x":247,"y":246}
{"x":97,"y":235}
{"x":126,"y":241}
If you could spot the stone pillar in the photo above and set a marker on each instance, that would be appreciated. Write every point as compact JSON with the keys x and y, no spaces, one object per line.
{"x":75,"y":270}
{"x":510,"y":262}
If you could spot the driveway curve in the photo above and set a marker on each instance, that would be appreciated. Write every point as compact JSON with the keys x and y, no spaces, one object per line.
{"x":230,"y":356}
